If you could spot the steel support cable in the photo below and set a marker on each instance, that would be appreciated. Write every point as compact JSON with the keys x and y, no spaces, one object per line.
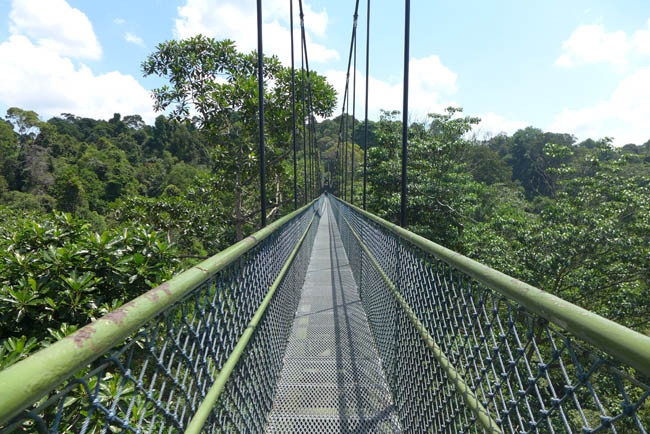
{"x":313,"y":144}
{"x":314,"y":150}
{"x":260,"y":88}
{"x":304,"y":129}
{"x":309,"y":97}
{"x":337,"y":166}
{"x":310,"y":151}
{"x":405,"y":108}
{"x":321,"y":167}
{"x":340,"y":163}
{"x":365,"y":141}
{"x":342,"y":136}
{"x":354,"y":108}
{"x":346,"y":137}
{"x":341,"y":132}
{"x":345,"y":149}
{"x":293,"y":111}
{"x":314,"y":156}
{"x":310,"y":94}
{"x":345,"y":96}
{"x":310,"y":142}
{"x":313,"y":138}
{"x":341,"y":160}
{"x":308,"y":126}
{"x":308,"y":131}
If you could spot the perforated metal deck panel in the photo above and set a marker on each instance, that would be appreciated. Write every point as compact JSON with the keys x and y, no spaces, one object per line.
{"x":332,"y":380}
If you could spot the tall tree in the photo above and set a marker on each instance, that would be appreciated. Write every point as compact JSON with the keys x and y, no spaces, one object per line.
{"x":8,"y":153}
{"x":530,"y":163}
{"x":214,"y":87}
{"x":441,"y":193}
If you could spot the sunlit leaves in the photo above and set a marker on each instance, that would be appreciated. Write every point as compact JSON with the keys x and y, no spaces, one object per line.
{"x":55,"y":271}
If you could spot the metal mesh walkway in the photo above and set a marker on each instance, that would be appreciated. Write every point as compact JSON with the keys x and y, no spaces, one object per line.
{"x":332,"y":380}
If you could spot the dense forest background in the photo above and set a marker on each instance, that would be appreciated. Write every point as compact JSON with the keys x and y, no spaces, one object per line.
{"x":95,"y":212}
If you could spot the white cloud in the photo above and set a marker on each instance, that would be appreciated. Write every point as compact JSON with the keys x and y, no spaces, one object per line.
{"x":56,"y":26}
{"x":315,"y":22}
{"x":430,"y":85}
{"x":642,"y":40}
{"x":237,"y":20}
{"x":591,"y":44}
{"x":623,"y":116}
{"x":38,"y":71}
{"x":119,"y":21}
{"x":133,"y":39}
{"x":33,"y":77}
{"x":429,"y":77}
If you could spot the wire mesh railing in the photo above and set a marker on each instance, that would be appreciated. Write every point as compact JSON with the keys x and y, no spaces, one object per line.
{"x":202,"y":351}
{"x":467,"y":349}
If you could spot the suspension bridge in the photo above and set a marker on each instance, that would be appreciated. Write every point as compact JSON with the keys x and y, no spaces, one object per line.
{"x":331,"y":319}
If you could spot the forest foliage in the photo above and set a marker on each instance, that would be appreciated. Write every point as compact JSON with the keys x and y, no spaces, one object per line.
{"x":95,"y":212}
{"x":570,"y":218}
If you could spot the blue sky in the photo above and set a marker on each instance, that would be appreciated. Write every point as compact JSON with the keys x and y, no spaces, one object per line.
{"x":581,"y":67}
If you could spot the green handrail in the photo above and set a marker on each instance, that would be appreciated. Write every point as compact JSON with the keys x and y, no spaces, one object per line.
{"x":201,"y":416}
{"x":27,"y":381}
{"x":619,"y":342}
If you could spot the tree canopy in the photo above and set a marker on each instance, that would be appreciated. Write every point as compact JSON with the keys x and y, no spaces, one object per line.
{"x":214,"y":87}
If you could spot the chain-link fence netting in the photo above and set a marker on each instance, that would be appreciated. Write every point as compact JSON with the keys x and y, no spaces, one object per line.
{"x":528,"y":375}
{"x":154,"y":380}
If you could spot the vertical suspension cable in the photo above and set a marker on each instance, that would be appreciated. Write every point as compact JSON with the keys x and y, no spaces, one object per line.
{"x":405,"y":108}
{"x":314,"y":158}
{"x":345,"y":154}
{"x":309,"y":133}
{"x":293,"y":111}
{"x":310,"y":126}
{"x":310,"y":104}
{"x":321,"y":169}
{"x":310,"y":144}
{"x":354,"y":108}
{"x":314,"y":153}
{"x":260,"y":86}
{"x":343,"y":131}
{"x":345,"y":138}
{"x":314,"y":147}
{"x":365,"y":145}
{"x":342,"y":189}
{"x":304,"y":130}
{"x":337,"y":171}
